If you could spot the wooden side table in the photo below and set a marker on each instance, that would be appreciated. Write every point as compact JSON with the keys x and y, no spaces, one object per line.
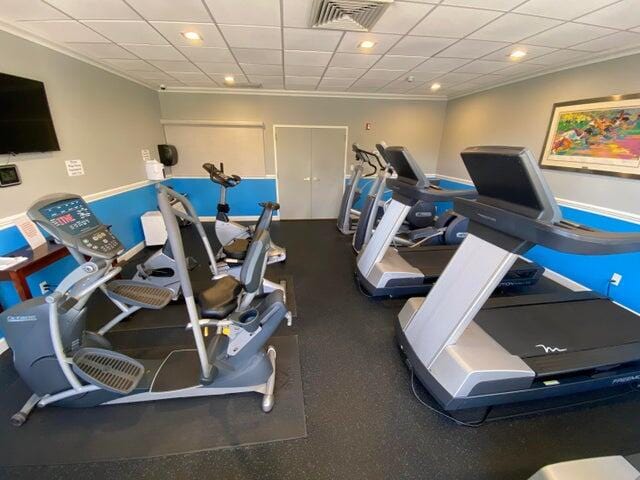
{"x":37,"y":259}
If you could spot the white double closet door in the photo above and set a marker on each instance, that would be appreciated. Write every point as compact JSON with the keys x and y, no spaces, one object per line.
{"x":311,"y":170}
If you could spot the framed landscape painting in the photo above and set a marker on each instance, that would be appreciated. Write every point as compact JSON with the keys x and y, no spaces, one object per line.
{"x":599,"y":136}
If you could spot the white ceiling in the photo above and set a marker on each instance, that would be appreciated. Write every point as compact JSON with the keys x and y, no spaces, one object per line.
{"x":462,"y":44}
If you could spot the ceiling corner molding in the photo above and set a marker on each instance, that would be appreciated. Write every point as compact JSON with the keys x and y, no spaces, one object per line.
{"x":214,"y":123}
{"x":33,"y":38}
{"x":580,"y":63}
{"x":302,"y":93}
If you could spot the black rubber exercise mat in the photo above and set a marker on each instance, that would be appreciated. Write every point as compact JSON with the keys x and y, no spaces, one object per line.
{"x":55,"y":435}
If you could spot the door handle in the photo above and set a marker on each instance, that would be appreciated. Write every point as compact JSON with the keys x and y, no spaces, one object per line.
{"x":306,"y":179}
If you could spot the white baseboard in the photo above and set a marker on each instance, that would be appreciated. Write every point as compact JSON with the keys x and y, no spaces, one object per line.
{"x":4,"y":346}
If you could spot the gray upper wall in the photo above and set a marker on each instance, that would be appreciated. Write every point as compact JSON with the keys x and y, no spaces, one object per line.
{"x":100,"y":118}
{"x":519,"y":114}
{"x":415,"y":124}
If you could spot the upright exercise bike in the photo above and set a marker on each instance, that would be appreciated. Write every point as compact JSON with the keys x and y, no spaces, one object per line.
{"x":65,"y":365}
{"x":234,"y":237}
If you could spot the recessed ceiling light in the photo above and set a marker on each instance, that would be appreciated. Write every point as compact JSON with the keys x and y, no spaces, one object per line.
{"x":194,"y":36}
{"x":435,"y":87}
{"x":518,"y":54}
{"x":229,"y":80}
{"x":367,"y":44}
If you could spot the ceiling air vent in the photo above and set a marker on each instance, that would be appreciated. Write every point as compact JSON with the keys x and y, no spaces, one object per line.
{"x":359,"y":15}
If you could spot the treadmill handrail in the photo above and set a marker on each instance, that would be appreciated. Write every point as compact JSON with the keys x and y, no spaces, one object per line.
{"x":431,"y":193}
{"x":562,"y":236}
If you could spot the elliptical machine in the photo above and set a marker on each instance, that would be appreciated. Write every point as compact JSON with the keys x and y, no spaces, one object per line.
{"x":234,"y":237}
{"x":160,"y":268}
{"x":67,"y":366}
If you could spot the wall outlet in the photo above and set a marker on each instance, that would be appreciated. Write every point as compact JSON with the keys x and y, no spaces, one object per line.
{"x":616,"y":278}
{"x":44,"y":288}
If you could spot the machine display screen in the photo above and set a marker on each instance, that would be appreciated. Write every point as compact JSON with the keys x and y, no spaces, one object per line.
{"x":72,"y":216}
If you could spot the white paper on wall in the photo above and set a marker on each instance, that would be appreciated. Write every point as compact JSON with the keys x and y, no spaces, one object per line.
{"x":74,"y":168}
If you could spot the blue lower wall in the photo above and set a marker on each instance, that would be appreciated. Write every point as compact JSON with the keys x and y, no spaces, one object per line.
{"x":592,"y":271}
{"x":243,"y":200}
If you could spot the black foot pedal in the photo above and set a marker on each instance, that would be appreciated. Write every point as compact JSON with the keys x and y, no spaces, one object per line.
{"x":112,"y":371}
{"x":141,"y":294}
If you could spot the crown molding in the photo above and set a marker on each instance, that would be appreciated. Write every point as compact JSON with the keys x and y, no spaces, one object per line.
{"x":32,"y":37}
{"x":301,"y":93}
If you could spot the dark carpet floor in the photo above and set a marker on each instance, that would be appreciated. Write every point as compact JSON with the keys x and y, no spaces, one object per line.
{"x":363,"y":420}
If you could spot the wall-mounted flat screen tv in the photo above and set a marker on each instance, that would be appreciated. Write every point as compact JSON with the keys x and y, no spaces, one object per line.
{"x":25,"y":119}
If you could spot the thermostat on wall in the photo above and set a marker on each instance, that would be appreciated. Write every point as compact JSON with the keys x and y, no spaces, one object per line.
{"x":9,"y":176}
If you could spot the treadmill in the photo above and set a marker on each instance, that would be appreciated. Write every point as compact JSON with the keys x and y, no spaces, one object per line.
{"x":386,"y":271}
{"x":471,"y":351}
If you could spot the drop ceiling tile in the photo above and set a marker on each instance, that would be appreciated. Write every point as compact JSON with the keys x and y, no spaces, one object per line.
{"x":127,"y":31}
{"x":201,"y":83}
{"x":440,"y":65}
{"x":513,"y":27}
{"x":296,"y":13}
{"x":482,"y":66}
{"x":388,"y":75}
{"x":241,"y":36}
{"x":399,"y":62}
{"x":258,"y":55}
{"x":339,"y":72}
{"x":568,"y":34}
{"x":564,"y":9}
{"x":28,"y":10}
{"x":155,"y":52}
{"x":299,"y":57}
{"x":95,"y":9}
{"x":382,"y":42}
{"x":503,"y":5}
{"x":454,"y":22}
{"x":207,"y":54}
{"x":130,"y":64}
{"x":266,"y":70}
{"x":173,"y":66}
{"x":424,"y":76}
{"x":621,"y":15}
{"x":561,"y":57}
{"x":420,"y":46}
{"x":101,"y":50}
{"x":308,"y":39}
{"x":471,"y":49}
{"x":190,"y":76}
{"x":155,"y":75}
{"x":267,"y":81}
{"x":370,"y":82}
{"x":617,"y":41}
{"x":400,"y":17}
{"x":172,"y":10}
{"x":173,"y":31}
{"x":304,"y":70}
{"x":533,"y":51}
{"x":237,"y":77}
{"x":484,"y":81}
{"x":521,"y":69}
{"x":330,"y":82}
{"x":225,"y":68}
{"x":402,"y":85}
{"x":234,"y":12}
{"x":301,"y":83}
{"x":455,"y":77}
{"x":64,"y":31}
{"x":355,"y":60}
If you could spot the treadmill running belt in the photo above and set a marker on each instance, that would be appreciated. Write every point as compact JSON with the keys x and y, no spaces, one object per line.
{"x":555,"y":328}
